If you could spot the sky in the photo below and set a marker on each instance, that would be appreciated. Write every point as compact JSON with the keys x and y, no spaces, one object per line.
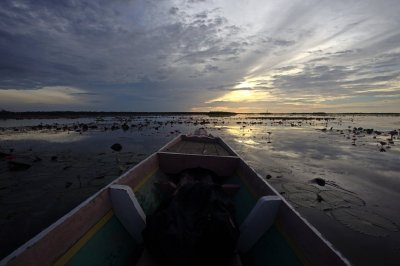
{"x":200,"y":55}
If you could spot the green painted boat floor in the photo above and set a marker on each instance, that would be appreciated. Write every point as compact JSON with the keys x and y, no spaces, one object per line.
{"x":147,"y":196}
{"x":112,"y":244}
{"x":271,"y":249}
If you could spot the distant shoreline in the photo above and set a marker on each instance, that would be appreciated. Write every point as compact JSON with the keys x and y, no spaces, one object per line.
{"x":81,"y":114}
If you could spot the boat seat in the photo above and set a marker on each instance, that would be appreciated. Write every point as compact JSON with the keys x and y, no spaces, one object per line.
{"x":128,"y":210}
{"x":260,"y":219}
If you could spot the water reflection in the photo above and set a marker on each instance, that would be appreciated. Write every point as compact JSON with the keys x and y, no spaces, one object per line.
{"x":357,"y":178}
{"x":54,"y":137}
{"x":289,"y":153}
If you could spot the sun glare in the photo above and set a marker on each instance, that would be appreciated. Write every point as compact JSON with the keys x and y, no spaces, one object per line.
{"x":245,"y":84}
{"x":235,"y":96}
{"x":245,"y":95}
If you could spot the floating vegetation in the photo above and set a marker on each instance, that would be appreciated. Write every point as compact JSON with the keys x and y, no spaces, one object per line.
{"x":365,"y":222}
{"x":319,"y":181}
{"x":299,"y":187}
{"x":84,"y":162}
{"x":338,"y":199}
{"x":342,"y":206}
{"x":303,"y":195}
{"x":307,"y":199}
{"x":116,"y":147}
{"x":311,"y":197}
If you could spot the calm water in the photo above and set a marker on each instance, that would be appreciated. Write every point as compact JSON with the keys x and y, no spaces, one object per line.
{"x":336,"y":176}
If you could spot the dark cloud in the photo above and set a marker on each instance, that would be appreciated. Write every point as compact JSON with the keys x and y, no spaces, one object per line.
{"x":278,"y":42}
{"x":173,"y":10}
{"x":147,"y":53}
{"x":91,"y":42}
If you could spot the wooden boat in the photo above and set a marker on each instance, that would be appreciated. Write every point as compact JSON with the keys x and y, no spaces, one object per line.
{"x":105,"y":229}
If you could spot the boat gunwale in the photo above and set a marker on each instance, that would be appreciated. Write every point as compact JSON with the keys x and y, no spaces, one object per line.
{"x":45,"y":232}
{"x":171,"y":143}
{"x":278,"y":222}
{"x":59,"y":222}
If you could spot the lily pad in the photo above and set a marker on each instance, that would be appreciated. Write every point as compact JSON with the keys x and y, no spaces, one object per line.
{"x":296,"y":187}
{"x":339,"y":199}
{"x":304,"y":199}
{"x":311,"y":197}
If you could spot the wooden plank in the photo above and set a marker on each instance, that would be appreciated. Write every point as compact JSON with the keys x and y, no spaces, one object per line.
{"x":210,"y":149}
{"x":173,"y":163}
{"x":171,"y":143}
{"x":221,"y":151}
{"x":192,"y":147}
{"x":226,"y":147}
{"x":177,"y":147}
{"x":199,"y":139}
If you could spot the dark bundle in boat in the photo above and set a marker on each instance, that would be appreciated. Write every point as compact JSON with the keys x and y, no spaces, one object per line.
{"x":195,"y":225}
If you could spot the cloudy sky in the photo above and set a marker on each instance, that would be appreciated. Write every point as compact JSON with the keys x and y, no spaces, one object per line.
{"x":200,"y":55}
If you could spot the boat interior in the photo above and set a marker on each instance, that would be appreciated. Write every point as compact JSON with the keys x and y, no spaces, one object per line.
{"x":188,"y":152}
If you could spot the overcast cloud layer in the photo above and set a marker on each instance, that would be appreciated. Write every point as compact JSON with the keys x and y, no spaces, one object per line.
{"x":280,"y":56}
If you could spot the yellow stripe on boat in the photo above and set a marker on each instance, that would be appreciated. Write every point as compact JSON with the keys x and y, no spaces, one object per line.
{"x":92,"y":231}
{"x":295,"y":247}
{"x":83,"y":240}
{"x":144,"y":180}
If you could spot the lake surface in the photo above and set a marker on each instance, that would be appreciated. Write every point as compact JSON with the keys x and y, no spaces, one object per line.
{"x":342,"y":173}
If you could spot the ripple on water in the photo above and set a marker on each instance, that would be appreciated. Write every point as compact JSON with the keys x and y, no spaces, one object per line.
{"x":346,"y":208}
{"x":295,"y":187}
{"x":365,"y":222}
{"x":306,"y":199}
{"x":338,"y":199}
{"x":304,"y":195}
{"x":310,"y":196}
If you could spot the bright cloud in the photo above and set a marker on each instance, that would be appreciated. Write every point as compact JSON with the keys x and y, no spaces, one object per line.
{"x":52,"y":95}
{"x":243,"y":96}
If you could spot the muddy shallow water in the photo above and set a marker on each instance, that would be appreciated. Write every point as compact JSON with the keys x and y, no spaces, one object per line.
{"x":336,"y":171}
